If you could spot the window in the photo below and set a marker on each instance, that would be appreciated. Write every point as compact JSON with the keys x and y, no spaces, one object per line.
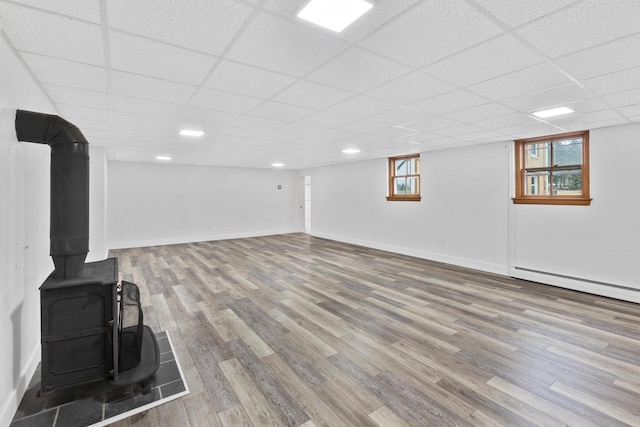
{"x":404,"y":178}
{"x":553,"y":170}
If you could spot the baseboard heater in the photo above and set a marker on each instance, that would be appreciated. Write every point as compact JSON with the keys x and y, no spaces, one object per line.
{"x":606,"y":289}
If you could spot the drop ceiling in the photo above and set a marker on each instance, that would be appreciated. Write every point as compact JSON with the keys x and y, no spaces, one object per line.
{"x":409,"y":76}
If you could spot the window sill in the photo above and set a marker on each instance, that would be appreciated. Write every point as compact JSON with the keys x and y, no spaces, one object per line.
{"x":403,"y":198}
{"x":573,"y":201}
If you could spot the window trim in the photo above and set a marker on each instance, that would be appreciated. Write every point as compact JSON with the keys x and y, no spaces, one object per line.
{"x":391,"y":175}
{"x":521,"y":198}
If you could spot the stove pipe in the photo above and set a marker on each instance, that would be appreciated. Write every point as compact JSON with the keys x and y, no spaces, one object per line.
{"x":69,"y":228}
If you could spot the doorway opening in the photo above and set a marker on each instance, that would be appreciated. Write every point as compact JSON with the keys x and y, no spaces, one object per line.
{"x":307,"y":204}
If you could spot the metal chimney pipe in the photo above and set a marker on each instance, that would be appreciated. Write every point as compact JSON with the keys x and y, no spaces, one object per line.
{"x":69,"y":227}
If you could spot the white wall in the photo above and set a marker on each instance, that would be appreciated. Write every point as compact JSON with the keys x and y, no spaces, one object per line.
{"x":24,"y":233}
{"x":152,"y":204}
{"x":600,"y":242}
{"x":97,"y":204}
{"x":466,"y":216}
{"x":462,"y":218}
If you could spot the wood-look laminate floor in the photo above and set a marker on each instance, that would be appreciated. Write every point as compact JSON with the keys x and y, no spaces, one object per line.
{"x":302,"y":331}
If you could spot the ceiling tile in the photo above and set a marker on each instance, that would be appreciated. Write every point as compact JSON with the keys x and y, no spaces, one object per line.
{"x":490,"y":59}
{"x":549,"y":98}
{"x":461,"y":129}
{"x":247,"y":80}
{"x":136,"y":105}
{"x":257,"y":123}
{"x":398,"y":116}
{"x":595,"y":124}
{"x":424,"y":34}
{"x":154,"y":59}
{"x":483,"y":136}
{"x":222,"y":101}
{"x":75,"y":96}
{"x":74,"y":112}
{"x":87,"y":125}
{"x":364,"y":125}
{"x":505,"y":121}
{"x":518,"y":12}
{"x":326,"y":119}
{"x":66,"y":73}
{"x":312,"y":95}
{"x":277,"y":44}
{"x":382,"y":12}
{"x":433,"y":123}
{"x":410,"y":88}
{"x":193,"y":116}
{"x":202,"y":25}
{"x":88,"y":10}
{"x":92,"y":134}
{"x":128,"y":132}
{"x":241,"y":132}
{"x":139,"y":119}
{"x":361,"y":107}
{"x":630,"y":110}
{"x":149,"y":88}
{"x":533,"y":79}
{"x":481,"y":112}
{"x":300,"y":129}
{"x":280,"y":111}
{"x":586,"y":24}
{"x":358,"y":70}
{"x":52,"y":35}
{"x":615,"y":82}
{"x":623,"y":99}
{"x":604,"y":59}
{"x":450,"y":102}
{"x":529,"y":130}
{"x":585,"y":119}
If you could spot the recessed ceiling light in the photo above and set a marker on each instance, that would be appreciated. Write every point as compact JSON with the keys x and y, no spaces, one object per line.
{"x":189,"y":132}
{"x":277,"y":165}
{"x":165,"y":158}
{"x":351,"y":151}
{"x":335,"y":15}
{"x":560,"y":111}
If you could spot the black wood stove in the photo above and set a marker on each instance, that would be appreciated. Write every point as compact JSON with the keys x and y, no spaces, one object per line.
{"x":92,"y":325}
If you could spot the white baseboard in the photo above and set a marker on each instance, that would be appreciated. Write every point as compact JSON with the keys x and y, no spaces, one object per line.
{"x":577,"y":284}
{"x":194,"y":239}
{"x":12,"y":401}
{"x":432,"y":256}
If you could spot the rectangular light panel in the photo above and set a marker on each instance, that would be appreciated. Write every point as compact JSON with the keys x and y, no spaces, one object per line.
{"x":189,"y":132}
{"x":335,"y":15}
{"x":560,"y":111}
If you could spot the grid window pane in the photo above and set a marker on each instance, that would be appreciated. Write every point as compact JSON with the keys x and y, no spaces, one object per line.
{"x":537,"y":183}
{"x":402,"y":167}
{"x":538,"y":155}
{"x":567,"y":152}
{"x":567,"y":182}
{"x":400,"y":184}
{"x":412,"y":185}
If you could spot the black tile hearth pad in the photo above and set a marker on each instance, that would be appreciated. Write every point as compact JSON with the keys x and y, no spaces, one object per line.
{"x":100,"y":403}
